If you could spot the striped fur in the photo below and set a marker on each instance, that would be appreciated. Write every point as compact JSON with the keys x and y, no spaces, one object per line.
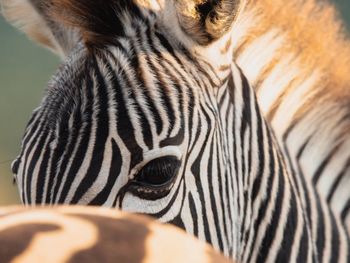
{"x":297,"y":55}
{"x":154,"y":101}
{"x":81,"y":234}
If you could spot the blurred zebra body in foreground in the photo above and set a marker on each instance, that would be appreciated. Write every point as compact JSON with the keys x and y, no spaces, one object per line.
{"x":152,"y":115}
{"x":87,"y":234}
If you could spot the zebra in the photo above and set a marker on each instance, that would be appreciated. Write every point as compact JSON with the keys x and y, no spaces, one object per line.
{"x":91,"y":234}
{"x":163,"y":123}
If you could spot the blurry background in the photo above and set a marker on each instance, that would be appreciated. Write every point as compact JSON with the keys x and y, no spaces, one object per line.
{"x":25,"y":69}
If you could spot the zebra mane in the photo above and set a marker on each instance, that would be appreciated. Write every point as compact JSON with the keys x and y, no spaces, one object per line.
{"x":99,"y":21}
{"x":314,"y":35}
{"x":207,"y":20}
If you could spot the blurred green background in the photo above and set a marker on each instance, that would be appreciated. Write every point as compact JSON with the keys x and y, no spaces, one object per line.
{"x":25,"y":68}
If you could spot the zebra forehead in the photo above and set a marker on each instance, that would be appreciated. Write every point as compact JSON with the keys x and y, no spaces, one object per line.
{"x":106,"y":90}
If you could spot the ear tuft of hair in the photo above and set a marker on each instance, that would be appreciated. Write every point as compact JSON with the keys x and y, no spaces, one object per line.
{"x":207,"y":20}
{"x":97,"y":20}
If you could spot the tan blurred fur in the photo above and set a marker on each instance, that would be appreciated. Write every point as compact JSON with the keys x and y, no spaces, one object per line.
{"x":83,"y":234}
{"x":313,"y":33}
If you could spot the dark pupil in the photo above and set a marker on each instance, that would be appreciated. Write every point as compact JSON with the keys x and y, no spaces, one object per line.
{"x":159,"y":171}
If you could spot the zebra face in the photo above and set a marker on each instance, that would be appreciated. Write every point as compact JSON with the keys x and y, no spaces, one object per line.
{"x":137,"y":121}
{"x":129,"y":114}
{"x":121,"y":127}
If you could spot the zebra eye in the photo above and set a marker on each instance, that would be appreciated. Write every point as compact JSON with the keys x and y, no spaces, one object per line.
{"x":156,"y":178}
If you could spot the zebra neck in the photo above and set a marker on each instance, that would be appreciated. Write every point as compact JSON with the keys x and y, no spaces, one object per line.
{"x":218,"y":55}
{"x":295,"y":58}
{"x":265,"y":193}
{"x":254,"y":167}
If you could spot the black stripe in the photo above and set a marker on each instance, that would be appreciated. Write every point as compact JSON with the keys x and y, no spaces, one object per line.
{"x":102,"y":131}
{"x":303,"y":246}
{"x":42,"y":176}
{"x":211,"y":182}
{"x":114,"y":170}
{"x":124,"y":126}
{"x":345,"y":211}
{"x":264,"y":203}
{"x":33,"y":162}
{"x":289,"y":232}
{"x":335,"y":243}
{"x":85,"y":135}
{"x":194,"y":215}
{"x":71,"y":143}
{"x":270,"y":233}
{"x":337,"y":181}
{"x":324,"y":164}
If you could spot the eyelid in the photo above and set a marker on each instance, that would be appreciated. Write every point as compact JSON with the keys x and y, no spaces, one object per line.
{"x":154,"y":154}
{"x":165,"y":151}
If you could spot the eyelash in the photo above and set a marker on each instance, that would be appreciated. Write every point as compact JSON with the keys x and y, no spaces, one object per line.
{"x":146,"y":183}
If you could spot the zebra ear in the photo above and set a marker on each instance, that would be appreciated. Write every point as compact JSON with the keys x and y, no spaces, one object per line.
{"x":97,"y":20}
{"x":32,"y":17}
{"x":206,"y":20}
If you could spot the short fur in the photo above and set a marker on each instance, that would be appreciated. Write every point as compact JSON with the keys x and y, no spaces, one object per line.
{"x":203,"y":20}
{"x":207,"y":20}
{"x":313,"y":28}
{"x":315,"y":36}
{"x":98,"y":20}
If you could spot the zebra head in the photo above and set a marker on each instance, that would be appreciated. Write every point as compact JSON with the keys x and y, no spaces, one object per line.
{"x":146,"y":113}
